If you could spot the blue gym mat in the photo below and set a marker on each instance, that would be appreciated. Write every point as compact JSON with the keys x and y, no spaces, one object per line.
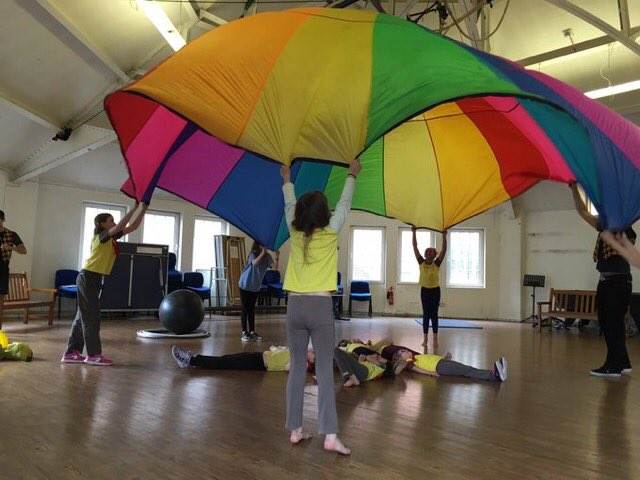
{"x":452,"y":323}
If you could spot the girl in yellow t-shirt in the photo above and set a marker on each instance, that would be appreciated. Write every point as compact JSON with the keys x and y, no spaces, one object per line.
{"x":430,"y":284}
{"x":310,"y":278}
{"x":85,"y":330}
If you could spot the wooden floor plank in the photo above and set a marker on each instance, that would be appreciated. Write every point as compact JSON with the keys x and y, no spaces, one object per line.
{"x":145,"y":418}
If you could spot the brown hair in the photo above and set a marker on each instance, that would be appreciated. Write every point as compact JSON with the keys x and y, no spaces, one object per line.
{"x":99,"y":220}
{"x":312,"y":212}
{"x":256,"y":248}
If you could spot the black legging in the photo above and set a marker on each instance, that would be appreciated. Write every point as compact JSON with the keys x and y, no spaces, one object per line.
{"x":613,"y":299}
{"x":235,"y":361}
{"x":248,"y":317}
{"x":430,"y":304}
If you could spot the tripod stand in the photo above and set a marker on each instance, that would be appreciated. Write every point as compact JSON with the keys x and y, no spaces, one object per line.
{"x":534,"y":281}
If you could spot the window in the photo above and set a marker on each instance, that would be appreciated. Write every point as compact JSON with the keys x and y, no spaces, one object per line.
{"x":466,"y":259}
{"x":367,"y":254}
{"x":162,"y":228}
{"x":409,"y":270}
{"x":203,"y":250}
{"x":90,"y":212}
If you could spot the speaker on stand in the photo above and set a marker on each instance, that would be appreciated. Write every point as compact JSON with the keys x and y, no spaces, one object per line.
{"x":535,"y":281}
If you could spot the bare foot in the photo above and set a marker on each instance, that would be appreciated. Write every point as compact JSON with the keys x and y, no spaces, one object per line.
{"x":298,"y":436}
{"x":333,"y":444}
{"x":352,"y":381}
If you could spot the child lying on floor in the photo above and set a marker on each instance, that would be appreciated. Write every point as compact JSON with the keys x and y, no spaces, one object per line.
{"x":276,"y":359}
{"x":433,"y":365}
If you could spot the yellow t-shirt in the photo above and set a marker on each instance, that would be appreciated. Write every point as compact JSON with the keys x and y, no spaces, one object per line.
{"x":373,"y":370}
{"x":103,"y":256}
{"x":278,"y":359}
{"x":429,"y":275}
{"x":427,"y":362}
{"x":318,"y":272}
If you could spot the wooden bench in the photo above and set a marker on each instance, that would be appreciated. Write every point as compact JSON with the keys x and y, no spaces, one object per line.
{"x":19,"y":298}
{"x":576,"y":304}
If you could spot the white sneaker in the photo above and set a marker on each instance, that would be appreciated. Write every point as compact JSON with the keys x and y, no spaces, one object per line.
{"x":181,"y":356}
{"x":501,"y":368}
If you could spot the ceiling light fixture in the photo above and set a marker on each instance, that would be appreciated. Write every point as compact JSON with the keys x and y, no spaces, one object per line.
{"x":161,"y":21}
{"x":614,"y":89}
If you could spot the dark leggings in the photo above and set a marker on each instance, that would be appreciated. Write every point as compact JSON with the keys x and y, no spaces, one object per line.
{"x":613,"y":299}
{"x":235,"y":361}
{"x":430,"y":304}
{"x":248,"y":316}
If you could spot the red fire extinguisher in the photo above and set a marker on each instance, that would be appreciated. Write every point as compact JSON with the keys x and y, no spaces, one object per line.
{"x":390,"y":295}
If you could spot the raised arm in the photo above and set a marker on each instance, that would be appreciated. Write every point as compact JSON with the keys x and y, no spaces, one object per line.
{"x":258,"y":259}
{"x":18,"y":246}
{"x":289,"y":195}
{"x":623,"y":246}
{"x":581,"y":207}
{"x":443,"y":251}
{"x":343,"y":206}
{"x":137,"y":219}
{"x":414,"y":241}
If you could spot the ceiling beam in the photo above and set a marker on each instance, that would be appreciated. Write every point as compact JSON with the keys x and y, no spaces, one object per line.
{"x":625,"y":22}
{"x":85,"y":139}
{"x":211,"y":18}
{"x":598,"y":23}
{"x":571,"y":49}
{"x":52,"y":9}
{"x":28,"y":112}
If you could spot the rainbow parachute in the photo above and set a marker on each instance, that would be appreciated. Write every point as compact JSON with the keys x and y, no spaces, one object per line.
{"x":444,"y":132}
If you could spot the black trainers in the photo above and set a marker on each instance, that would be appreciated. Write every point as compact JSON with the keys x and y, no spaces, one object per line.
{"x":253,"y":336}
{"x":627,"y":369}
{"x":608,"y":372}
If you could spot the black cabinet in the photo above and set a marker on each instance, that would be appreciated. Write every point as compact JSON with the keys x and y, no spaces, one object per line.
{"x":138,"y":280}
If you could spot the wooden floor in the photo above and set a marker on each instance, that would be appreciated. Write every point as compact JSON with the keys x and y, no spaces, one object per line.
{"x":147,"y":419}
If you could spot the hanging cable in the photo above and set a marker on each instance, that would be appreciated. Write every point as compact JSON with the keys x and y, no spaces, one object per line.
{"x":467,"y":36}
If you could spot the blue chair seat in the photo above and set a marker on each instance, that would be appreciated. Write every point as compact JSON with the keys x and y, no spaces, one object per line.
{"x":364,"y":296}
{"x":199,"y":290}
{"x":69,"y":291}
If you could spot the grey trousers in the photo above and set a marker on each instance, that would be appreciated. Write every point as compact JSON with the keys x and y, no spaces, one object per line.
{"x":349,"y":365}
{"x":311,"y":317}
{"x":450,"y":368}
{"x":86,"y":326}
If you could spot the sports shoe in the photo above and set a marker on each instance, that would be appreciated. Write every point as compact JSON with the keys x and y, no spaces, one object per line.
{"x":72,"y":357}
{"x":501,"y":369}
{"x":245,"y":337}
{"x":605,"y":371}
{"x":255,"y":337}
{"x":626,"y":369}
{"x":98,"y":360}
{"x":399,"y":366}
{"x":181,"y":356}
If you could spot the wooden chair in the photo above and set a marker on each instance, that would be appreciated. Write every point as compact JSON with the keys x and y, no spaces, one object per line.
{"x":19,"y":298}
{"x":577,"y":304}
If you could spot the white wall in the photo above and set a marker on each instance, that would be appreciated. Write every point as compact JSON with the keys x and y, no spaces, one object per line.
{"x":556,"y":244}
{"x":501,"y":299}
{"x":59,"y":227}
{"x":560,"y":246}
{"x":20,"y":208}
{"x":3,"y":187}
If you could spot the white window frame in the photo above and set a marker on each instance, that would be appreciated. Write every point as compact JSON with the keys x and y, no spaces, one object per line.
{"x":483,"y":260}
{"x":208,"y":218}
{"x":383,"y":260}
{"x":100,"y":206}
{"x":177,"y":232}
{"x":432,"y":243}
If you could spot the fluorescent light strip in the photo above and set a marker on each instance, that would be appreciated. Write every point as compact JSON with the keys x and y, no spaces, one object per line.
{"x":161,"y":21}
{"x":614,"y":89}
